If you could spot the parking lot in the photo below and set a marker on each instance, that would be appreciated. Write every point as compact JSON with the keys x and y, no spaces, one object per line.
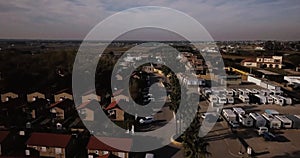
{"x":225,"y":142}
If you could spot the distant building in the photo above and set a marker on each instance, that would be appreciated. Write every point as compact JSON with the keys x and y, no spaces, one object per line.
{"x":52,"y":145}
{"x":89,"y":95}
{"x":34,"y":95}
{"x":115,"y":112}
{"x":88,"y":109}
{"x":5,"y":143}
{"x":63,"y":94}
{"x":264,"y":62}
{"x":96,"y":148}
{"x":62,"y":109}
{"x":8,"y":95}
{"x":37,"y":108}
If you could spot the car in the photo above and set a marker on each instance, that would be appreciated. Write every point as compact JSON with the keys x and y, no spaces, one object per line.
{"x":234,"y":124}
{"x":269,"y":136}
{"x":146,"y":120}
{"x":262,"y":130}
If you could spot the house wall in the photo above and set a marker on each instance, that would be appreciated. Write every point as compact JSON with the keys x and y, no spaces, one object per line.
{"x":57,"y":97}
{"x":89,"y":114}
{"x":32,"y":96}
{"x":50,"y":151}
{"x":10,"y":95}
{"x":89,"y":97}
{"x":101,"y":153}
{"x":60,"y":113}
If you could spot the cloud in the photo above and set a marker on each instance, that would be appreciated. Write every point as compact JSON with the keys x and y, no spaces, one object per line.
{"x":225,"y":20}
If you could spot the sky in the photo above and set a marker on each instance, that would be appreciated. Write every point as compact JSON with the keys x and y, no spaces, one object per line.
{"x":223,"y":19}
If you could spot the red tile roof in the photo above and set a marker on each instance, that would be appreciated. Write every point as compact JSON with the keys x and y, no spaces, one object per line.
{"x":95,"y":143}
{"x":3,"y":135}
{"x":112,"y":105}
{"x":49,"y":140}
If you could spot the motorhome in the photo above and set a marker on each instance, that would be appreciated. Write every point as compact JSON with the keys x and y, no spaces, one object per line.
{"x":213,"y":99}
{"x":285,"y":122}
{"x":272,"y":122}
{"x":270,"y":100}
{"x":245,"y":120}
{"x":236,"y":92}
{"x":264,"y":92}
{"x":258,"y":120}
{"x":296,"y":120}
{"x":243,"y":92}
{"x":276,"y":92}
{"x":271,"y":112}
{"x":244,"y":98}
{"x":239,"y":111}
{"x":222,"y":99}
{"x":260,"y":98}
{"x":229,"y":92}
{"x":229,"y":115}
{"x":287,"y":100}
{"x":230,"y":100}
{"x":277,"y":100}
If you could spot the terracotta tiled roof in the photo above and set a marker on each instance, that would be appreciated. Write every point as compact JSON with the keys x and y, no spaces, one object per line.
{"x":62,"y":104}
{"x":90,"y":104}
{"x":3,"y":135}
{"x":112,"y":105}
{"x":95,"y":143}
{"x":49,"y":140}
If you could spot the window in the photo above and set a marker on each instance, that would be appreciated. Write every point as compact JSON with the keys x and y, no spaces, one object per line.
{"x":58,"y":151}
{"x":43,"y":149}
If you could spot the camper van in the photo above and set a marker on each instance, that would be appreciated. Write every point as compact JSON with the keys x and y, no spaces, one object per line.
{"x":277,"y":100}
{"x":264,"y":92}
{"x":229,"y":115}
{"x":238,"y":111}
{"x":258,"y":120}
{"x":270,"y":100}
{"x":245,"y":120}
{"x":285,"y":122}
{"x":229,"y":92}
{"x":272,"y":122}
{"x":236,"y":92}
{"x":213,"y":99}
{"x":244,"y":98}
{"x":230,"y":100}
{"x":243,"y":92}
{"x":222,"y":99}
{"x":287,"y":100}
{"x":260,"y":98}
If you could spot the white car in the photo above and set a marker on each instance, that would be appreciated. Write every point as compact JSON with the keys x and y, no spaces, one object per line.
{"x":146,"y":120}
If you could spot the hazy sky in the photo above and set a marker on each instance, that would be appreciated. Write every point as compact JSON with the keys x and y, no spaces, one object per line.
{"x":224,"y":19}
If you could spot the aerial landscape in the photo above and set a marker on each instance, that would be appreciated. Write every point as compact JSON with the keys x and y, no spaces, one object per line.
{"x":138,"y":79}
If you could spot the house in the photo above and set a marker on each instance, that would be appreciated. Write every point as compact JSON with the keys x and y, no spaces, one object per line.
{"x":63,"y":94}
{"x":119,"y":95}
{"x":52,"y":145}
{"x":89,"y":95}
{"x":7,"y":96}
{"x":249,"y":62}
{"x":62,"y":109}
{"x":264,"y":62}
{"x":97,"y":148}
{"x":87,"y":110}
{"x":114,"y":111}
{"x":4,"y":142}
{"x":37,"y":108}
{"x":35,"y":95}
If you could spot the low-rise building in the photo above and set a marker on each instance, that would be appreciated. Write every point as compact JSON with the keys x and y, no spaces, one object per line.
{"x":63,"y":94}
{"x":96,"y":148}
{"x":52,"y":145}
{"x":35,"y":95}
{"x":62,"y":109}
{"x":6,"y":96}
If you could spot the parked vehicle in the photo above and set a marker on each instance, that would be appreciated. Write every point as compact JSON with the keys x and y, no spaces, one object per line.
{"x":246,"y":120}
{"x":285,"y":122}
{"x":213,"y":99}
{"x":229,"y":92}
{"x":230,"y":100}
{"x":271,"y":112}
{"x":261,"y":99}
{"x":222,"y":99}
{"x":277,"y":100}
{"x":239,"y":111}
{"x":296,"y":120}
{"x":244,"y":98}
{"x":287,"y":100}
{"x":258,"y":120}
{"x":262,"y":130}
{"x":270,"y":100}
{"x":146,"y":120}
{"x":234,"y":124}
{"x":272,"y":122}
{"x":229,"y":115}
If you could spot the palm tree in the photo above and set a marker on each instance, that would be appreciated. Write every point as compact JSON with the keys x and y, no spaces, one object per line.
{"x":194,"y":146}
